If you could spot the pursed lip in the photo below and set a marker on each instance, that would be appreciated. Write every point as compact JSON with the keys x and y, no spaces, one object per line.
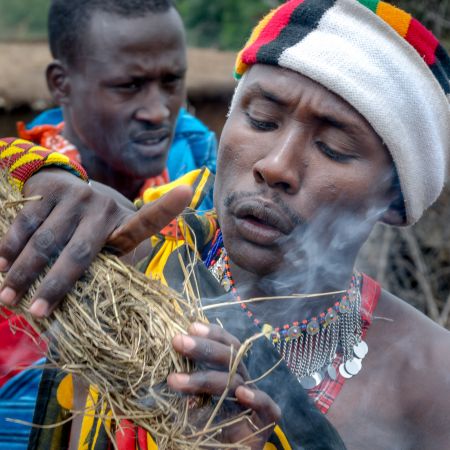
{"x":262,"y":221}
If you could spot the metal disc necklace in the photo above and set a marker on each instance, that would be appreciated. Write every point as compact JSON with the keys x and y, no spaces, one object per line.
{"x":309,"y":346}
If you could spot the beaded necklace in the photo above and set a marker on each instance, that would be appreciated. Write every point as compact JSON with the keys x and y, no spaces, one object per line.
{"x":310,"y":346}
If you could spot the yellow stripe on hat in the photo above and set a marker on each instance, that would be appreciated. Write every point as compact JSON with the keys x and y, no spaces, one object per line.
{"x":241,"y":67}
{"x":399,"y":20}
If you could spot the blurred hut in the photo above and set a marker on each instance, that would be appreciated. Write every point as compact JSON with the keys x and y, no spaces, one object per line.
{"x":23,"y":90}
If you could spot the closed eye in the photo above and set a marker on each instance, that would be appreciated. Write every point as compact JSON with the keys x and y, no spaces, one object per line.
{"x":334,"y":154}
{"x":261,"y":125}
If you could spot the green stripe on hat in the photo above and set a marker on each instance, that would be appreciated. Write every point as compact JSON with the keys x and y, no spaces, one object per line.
{"x":371,"y":4}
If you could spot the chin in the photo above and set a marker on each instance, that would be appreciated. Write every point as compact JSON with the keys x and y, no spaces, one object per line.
{"x":145,"y":170}
{"x":255,"y":259}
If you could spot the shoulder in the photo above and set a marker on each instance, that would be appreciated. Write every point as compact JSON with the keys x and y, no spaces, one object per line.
{"x":187,"y":123}
{"x":419,"y":350}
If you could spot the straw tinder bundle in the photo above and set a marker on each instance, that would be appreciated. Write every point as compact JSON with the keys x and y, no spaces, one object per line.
{"x":114,"y":331}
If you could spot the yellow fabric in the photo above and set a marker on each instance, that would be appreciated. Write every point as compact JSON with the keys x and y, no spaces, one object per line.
{"x":10,"y":151}
{"x":395,"y":17}
{"x":88,"y":419}
{"x":282,"y":437}
{"x":269,"y":446}
{"x":155,"y":269}
{"x":154,"y":193}
{"x":151,"y":444}
{"x":64,"y":394}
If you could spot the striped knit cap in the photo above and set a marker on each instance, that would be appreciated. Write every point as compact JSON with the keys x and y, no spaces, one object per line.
{"x":385,"y":64}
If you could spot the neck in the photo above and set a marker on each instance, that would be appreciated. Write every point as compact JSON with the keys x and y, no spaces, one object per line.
{"x":99,"y":170}
{"x":280,"y":310}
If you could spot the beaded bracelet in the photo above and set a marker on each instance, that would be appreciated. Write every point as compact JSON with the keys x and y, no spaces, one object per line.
{"x":23,"y":159}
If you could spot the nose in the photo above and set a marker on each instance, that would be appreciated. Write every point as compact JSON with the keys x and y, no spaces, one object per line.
{"x":281,"y":167}
{"x":153,"y":106}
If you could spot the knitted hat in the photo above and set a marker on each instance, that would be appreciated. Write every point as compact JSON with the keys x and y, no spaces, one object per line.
{"x":384,"y":63}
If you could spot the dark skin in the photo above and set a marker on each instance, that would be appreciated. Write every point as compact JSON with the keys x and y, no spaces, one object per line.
{"x":122,"y":94}
{"x":295,"y":151}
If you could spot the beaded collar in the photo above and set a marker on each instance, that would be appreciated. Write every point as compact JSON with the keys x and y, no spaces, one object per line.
{"x":308,"y":346}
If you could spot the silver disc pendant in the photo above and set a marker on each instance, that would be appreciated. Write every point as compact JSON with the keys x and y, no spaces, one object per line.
{"x":360,"y":349}
{"x":331,"y":371}
{"x":353,"y":366}
{"x":311,"y":381}
{"x":343,"y":372}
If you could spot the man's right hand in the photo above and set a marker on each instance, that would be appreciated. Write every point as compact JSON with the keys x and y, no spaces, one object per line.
{"x":68,"y":228}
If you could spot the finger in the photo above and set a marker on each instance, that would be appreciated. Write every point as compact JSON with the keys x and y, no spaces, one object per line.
{"x":42,"y":246}
{"x":204,"y":382}
{"x":214,"y":332}
{"x":261,"y":403}
{"x":219,"y":334}
{"x":71,"y":264}
{"x":203,"y":350}
{"x":27,"y":221}
{"x":150,"y":219}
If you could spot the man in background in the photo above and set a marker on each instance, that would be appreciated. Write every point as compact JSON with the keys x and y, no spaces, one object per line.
{"x":118,"y":76}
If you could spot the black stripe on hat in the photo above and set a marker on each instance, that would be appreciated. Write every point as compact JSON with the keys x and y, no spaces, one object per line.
{"x":441,"y":68}
{"x":304,"y":19}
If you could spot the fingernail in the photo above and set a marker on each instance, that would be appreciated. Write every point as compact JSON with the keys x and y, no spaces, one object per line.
{"x":7,"y":296}
{"x":247,"y":393}
{"x":188,"y":343}
{"x":180,"y":378}
{"x":39,"y":308}
{"x":4,"y":264}
{"x":200,"y":329}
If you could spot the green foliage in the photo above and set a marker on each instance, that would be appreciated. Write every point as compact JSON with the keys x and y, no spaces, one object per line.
{"x":23,"y":19}
{"x":223,"y":24}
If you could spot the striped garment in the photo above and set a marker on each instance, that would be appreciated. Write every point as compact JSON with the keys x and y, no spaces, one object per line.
{"x":22,"y":159}
{"x":385,"y":64}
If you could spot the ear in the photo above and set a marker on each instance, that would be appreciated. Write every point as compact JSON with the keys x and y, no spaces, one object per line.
{"x":58,"y":82}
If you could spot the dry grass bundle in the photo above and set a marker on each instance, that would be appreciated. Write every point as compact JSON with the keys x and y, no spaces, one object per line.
{"x":114,"y":330}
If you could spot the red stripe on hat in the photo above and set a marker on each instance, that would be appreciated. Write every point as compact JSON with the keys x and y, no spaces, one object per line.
{"x":271,"y":30}
{"x":423,"y":41}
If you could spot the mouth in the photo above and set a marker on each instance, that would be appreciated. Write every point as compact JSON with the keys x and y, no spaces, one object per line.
{"x":152,"y":144}
{"x":261,"y":222}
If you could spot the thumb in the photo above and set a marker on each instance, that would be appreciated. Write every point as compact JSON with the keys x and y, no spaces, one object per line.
{"x":150,"y":219}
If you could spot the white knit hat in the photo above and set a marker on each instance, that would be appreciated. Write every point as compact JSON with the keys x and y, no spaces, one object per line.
{"x":385,"y":64}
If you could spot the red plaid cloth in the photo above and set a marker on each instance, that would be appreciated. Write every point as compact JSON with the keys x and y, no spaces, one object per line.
{"x":327,"y":391}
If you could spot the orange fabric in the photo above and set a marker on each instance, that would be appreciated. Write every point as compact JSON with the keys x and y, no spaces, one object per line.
{"x":399,"y":20}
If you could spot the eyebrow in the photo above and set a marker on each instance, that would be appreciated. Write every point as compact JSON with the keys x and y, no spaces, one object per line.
{"x":267,"y":95}
{"x":335,"y":123}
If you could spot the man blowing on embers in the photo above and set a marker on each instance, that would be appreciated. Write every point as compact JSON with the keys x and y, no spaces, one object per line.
{"x":340,"y":120}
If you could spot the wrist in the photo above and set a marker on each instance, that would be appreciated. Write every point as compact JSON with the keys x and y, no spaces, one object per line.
{"x":22,"y":159}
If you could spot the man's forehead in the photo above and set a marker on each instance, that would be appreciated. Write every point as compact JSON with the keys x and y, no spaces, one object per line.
{"x":112,"y":39}
{"x":105,"y":29}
